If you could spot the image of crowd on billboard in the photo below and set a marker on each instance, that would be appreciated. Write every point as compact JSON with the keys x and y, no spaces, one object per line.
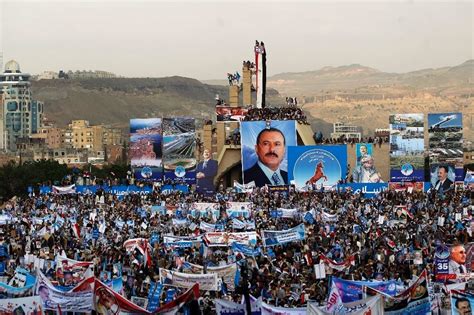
{"x":264,"y":151}
{"x":179,"y":144}
{"x":145,"y":147}
{"x":445,"y":134}
{"x":316,"y":167}
{"x":365,"y":171}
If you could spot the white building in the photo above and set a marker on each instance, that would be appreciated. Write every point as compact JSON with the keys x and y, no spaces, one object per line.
{"x":348,"y":131}
{"x":20,"y":115}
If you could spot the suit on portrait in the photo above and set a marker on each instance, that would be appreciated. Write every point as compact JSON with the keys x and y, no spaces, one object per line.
{"x":257,"y":175}
{"x":206,"y":184}
{"x":447,"y":185}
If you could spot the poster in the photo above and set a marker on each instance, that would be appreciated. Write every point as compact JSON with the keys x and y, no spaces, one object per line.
{"x":445,"y":134}
{"x":264,"y":146}
{"x":179,"y":144}
{"x":107,"y":301}
{"x":145,"y":148}
{"x":27,"y":305}
{"x":207,"y":282}
{"x":272,"y":238}
{"x":365,"y":170}
{"x":316,"y":167}
{"x":407,"y":148}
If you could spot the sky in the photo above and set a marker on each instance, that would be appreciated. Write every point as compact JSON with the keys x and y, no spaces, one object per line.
{"x":205,"y":40}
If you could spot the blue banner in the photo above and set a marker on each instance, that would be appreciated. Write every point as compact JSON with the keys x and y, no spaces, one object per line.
{"x":244,"y":249}
{"x":317,"y":166}
{"x":272,"y":238}
{"x":370,"y":190}
{"x":154,"y":296}
{"x":351,"y":291}
{"x":308,"y":217}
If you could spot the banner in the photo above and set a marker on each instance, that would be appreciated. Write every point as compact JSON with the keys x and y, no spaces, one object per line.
{"x":246,"y":250}
{"x":179,"y":144}
{"x":145,"y":148}
{"x":369,"y":190}
{"x":230,"y":113}
{"x":335,"y":265}
{"x":227,"y":238}
{"x":154,"y":294}
{"x":243,"y":188}
{"x":264,"y":151}
{"x":247,"y":225}
{"x":283,"y":213}
{"x":62,"y":190}
{"x":454,"y":263}
{"x":371,"y":305}
{"x":27,"y":305}
{"x":224,"y":273}
{"x":284,"y":189}
{"x":174,"y":306}
{"x":54,"y":299}
{"x":407,"y":149}
{"x":364,"y":170}
{"x":70,"y":272}
{"x":206,"y":209}
{"x":415,"y":300}
{"x":206,"y":170}
{"x":207,"y":282}
{"x":106,"y":301}
{"x":224,"y":307}
{"x":268,"y":309}
{"x":21,"y":276}
{"x":461,"y":302}
{"x":316,"y":167}
{"x":328,"y":217}
{"x":445,"y":134}
{"x":351,"y":291}
{"x":272,"y":238}
{"x":181,"y":241}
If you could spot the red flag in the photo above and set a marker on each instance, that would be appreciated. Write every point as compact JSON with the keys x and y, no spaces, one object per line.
{"x":188,"y":296}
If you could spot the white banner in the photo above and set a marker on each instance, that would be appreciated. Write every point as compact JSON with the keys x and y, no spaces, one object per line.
{"x":71,"y":189}
{"x":226,"y":239}
{"x":224,"y":307}
{"x":54,"y":299}
{"x":327,"y":217}
{"x":208,"y":227}
{"x":207,"y":282}
{"x":268,"y":309}
{"x":226,"y":273}
{"x":371,"y":305}
{"x":29,"y":305}
{"x":288,"y":213}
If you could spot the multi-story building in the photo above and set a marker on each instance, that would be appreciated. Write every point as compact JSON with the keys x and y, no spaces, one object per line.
{"x":51,"y":135}
{"x":20,"y":115}
{"x":81,"y":135}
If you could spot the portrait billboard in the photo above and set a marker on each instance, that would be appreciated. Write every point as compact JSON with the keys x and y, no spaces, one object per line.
{"x":407,"y":161}
{"x":454,"y":263}
{"x":265,"y":151}
{"x":230,"y":113}
{"x":445,"y":138}
{"x":314,"y":167}
{"x":442,"y":177}
{"x":179,"y":144}
{"x":206,"y":170}
{"x":145,"y":148}
{"x":365,"y":170}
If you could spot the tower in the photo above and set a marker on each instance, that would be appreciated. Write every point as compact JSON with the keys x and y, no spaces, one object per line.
{"x":261,"y":73}
{"x":20,"y":116}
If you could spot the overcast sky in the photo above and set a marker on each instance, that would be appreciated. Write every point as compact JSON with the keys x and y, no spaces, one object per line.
{"x":205,"y":40}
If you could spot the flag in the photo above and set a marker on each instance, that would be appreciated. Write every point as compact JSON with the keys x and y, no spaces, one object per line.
{"x":76,"y":230}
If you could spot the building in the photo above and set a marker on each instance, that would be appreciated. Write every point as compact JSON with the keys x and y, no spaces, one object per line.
{"x":20,"y":114}
{"x":346,"y":131}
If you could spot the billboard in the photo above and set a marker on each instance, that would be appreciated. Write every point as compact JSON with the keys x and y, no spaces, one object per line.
{"x":229,"y":113}
{"x":365,"y":170}
{"x":317,"y":166}
{"x":454,"y":263}
{"x":445,"y":135}
{"x":265,"y":151}
{"x":145,"y":148}
{"x":179,"y":144}
{"x":407,"y":143}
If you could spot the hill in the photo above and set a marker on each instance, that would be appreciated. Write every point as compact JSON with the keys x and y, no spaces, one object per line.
{"x":114,"y":101}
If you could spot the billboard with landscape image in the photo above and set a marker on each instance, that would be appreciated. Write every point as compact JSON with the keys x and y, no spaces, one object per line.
{"x":179,"y":144}
{"x":145,"y":148}
{"x":407,"y":142}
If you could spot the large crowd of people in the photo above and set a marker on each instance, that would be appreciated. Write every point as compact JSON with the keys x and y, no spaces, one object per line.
{"x":345,"y":226}
{"x":277,"y":113}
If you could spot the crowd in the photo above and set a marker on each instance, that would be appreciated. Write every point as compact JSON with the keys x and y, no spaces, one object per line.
{"x":345,"y":225}
{"x":274,"y":113}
